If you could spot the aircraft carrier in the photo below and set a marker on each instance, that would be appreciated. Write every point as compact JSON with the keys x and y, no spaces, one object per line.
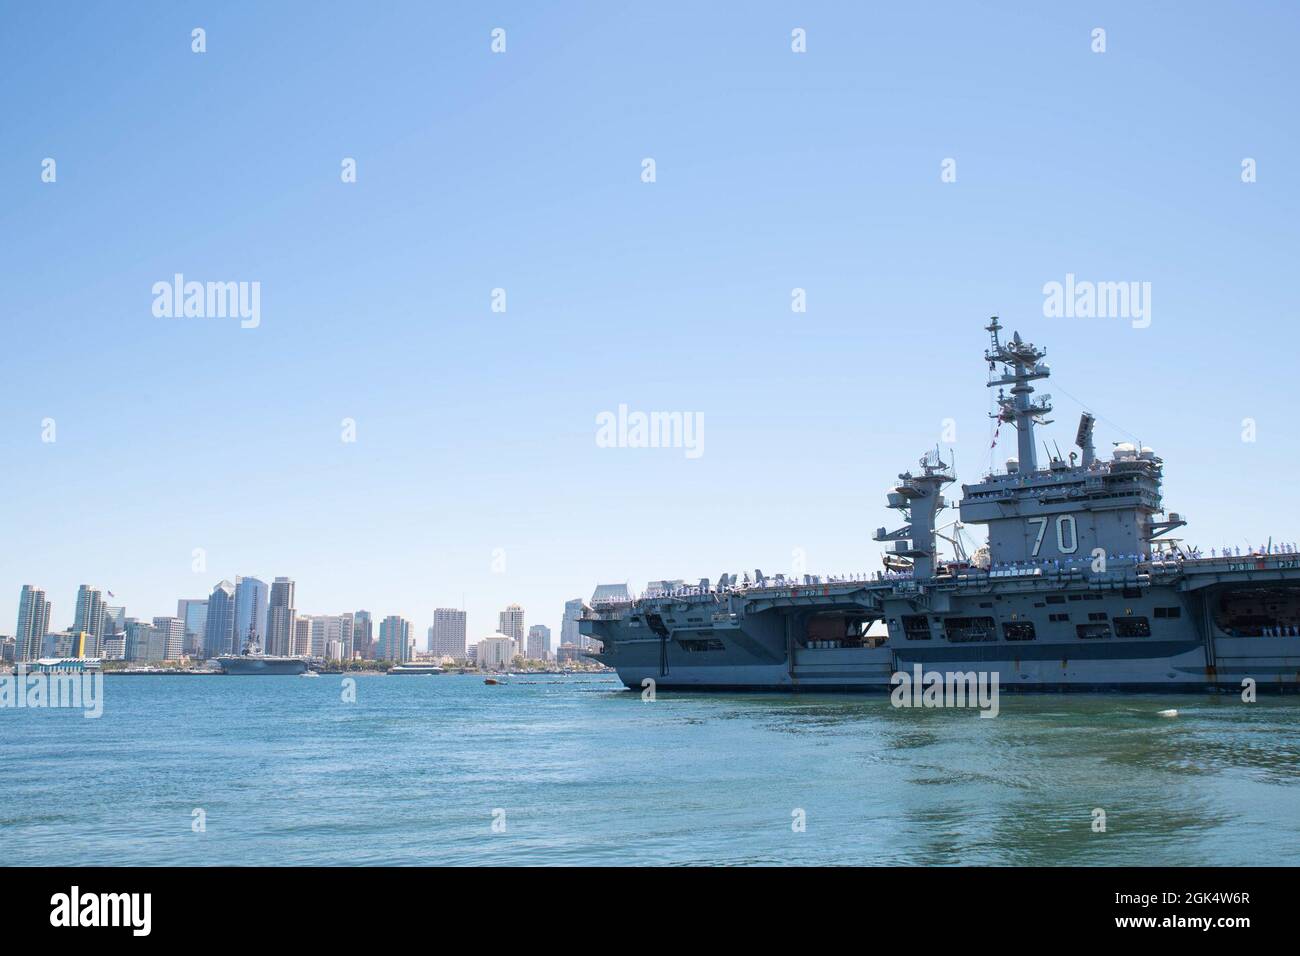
{"x":1079,"y":587}
{"x":253,"y":662}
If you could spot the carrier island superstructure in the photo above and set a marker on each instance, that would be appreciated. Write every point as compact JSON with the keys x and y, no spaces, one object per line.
{"x":1081,"y":586}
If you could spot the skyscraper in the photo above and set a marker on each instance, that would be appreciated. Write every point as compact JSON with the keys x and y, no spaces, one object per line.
{"x":194,"y":612}
{"x":569,"y":627}
{"x":332,"y":629}
{"x":172,"y":631}
{"x":512,"y":626}
{"x":394,"y":639}
{"x":363,"y":635}
{"x":90,"y":617}
{"x":302,"y":636}
{"x":33,"y":622}
{"x":115,"y":619}
{"x":143,"y":641}
{"x":447,"y":636}
{"x":219,"y":629}
{"x":250,"y":612}
{"x":539,"y":642}
{"x":280,"y":618}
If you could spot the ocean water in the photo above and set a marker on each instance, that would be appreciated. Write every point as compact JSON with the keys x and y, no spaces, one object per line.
{"x":580,"y":771}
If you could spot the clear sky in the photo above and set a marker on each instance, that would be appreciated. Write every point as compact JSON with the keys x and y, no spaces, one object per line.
{"x":775,"y":170}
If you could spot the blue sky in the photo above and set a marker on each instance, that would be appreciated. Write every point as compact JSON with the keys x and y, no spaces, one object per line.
{"x":775,"y":170}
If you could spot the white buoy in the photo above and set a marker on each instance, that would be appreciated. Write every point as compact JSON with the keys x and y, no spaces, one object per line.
{"x":1167,"y":713}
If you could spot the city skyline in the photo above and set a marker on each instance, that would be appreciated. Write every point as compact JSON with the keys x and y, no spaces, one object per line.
{"x":91,"y":596}
{"x":280,"y":621}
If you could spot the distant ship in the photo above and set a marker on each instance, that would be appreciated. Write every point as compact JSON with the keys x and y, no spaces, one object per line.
{"x":1079,"y":587}
{"x":65,"y":665}
{"x":253,"y":661}
{"x":411,"y":667}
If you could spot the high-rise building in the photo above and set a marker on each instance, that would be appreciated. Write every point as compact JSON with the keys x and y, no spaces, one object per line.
{"x":569,"y":626}
{"x":363,"y":635}
{"x":250,"y":612}
{"x":139,"y":638}
{"x":172,"y":635}
{"x":90,"y":617}
{"x":447,"y":636}
{"x":539,"y":642}
{"x":512,"y":626}
{"x":280,"y":618}
{"x":495,"y":652}
{"x":115,"y":619}
{"x":394,"y":639}
{"x":194,"y":612}
{"x":327,"y":629}
{"x":33,"y":623}
{"x":302,"y":636}
{"x":219,"y":629}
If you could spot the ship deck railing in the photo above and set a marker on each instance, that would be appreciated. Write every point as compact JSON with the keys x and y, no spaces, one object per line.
{"x":1122,"y":570}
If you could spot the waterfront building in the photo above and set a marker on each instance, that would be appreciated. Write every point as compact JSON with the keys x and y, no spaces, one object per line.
{"x":145,"y":643}
{"x":33,"y":623}
{"x":394,"y":639}
{"x":172,"y":634}
{"x":71,"y":643}
{"x":280,"y":618}
{"x":495,"y":652}
{"x":332,"y":628}
{"x":447,"y":636}
{"x":511,"y":624}
{"x":302,"y":636}
{"x":539,"y":642}
{"x":115,"y":619}
{"x":137,"y":642}
{"x":219,"y":628}
{"x":568,"y":654}
{"x":90,"y":616}
{"x":363,"y":635}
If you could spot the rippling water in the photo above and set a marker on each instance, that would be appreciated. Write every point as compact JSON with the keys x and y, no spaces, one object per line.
{"x":586,"y":772}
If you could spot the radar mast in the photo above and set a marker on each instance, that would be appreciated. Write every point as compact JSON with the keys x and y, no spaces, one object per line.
{"x":1022,"y":363}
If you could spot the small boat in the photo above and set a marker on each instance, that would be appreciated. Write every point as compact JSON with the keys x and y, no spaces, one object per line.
{"x":492,"y":680}
{"x":309,"y":674}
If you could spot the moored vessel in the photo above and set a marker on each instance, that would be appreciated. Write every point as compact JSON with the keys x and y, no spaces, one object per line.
{"x":413,"y":668}
{"x":1080,"y":586}
{"x":253,"y":662}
